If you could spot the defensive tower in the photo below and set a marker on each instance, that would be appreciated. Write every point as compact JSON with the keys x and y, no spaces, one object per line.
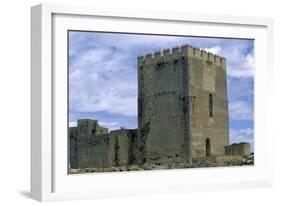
{"x":182,"y":105}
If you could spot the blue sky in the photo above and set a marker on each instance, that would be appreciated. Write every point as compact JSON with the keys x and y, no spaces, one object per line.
{"x":103,"y":77}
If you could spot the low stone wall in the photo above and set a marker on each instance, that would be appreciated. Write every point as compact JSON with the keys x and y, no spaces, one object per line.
{"x":240,"y":149}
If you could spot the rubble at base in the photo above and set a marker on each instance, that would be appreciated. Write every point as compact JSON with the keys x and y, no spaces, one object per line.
{"x":203,"y":163}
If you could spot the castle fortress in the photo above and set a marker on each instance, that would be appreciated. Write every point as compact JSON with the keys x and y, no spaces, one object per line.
{"x":182,"y":115}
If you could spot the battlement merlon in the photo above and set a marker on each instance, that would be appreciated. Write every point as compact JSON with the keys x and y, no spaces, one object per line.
{"x":183,"y":50}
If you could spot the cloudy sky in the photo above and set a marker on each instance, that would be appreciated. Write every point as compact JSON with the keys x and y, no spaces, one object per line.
{"x":103,"y":77}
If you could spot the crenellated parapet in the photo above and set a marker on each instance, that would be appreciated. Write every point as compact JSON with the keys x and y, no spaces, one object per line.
{"x":182,"y":51}
{"x":163,"y":54}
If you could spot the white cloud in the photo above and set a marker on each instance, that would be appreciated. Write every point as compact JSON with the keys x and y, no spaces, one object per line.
{"x":214,"y":50}
{"x":92,"y":93}
{"x":240,"y":65}
{"x":103,"y":78}
{"x":93,"y":56}
{"x":110,"y":125}
{"x":240,"y":110}
{"x":97,"y":84}
{"x":73,"y":124}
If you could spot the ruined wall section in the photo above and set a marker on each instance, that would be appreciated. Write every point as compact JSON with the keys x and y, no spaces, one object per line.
{"x":89,"y":148}
{"x":86,"y":131}
{"x":160,"y":106}
{"x":241,"y":149}
{"x":72,"y":147}
{"x":97,"y":152}
{"x":90,"y":126}
{"x":208,"y":81}
{"x":125,"y":146}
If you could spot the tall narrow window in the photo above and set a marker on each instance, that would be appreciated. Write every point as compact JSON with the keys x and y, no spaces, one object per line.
{"x":208,"y":147}
{"x":211,"y":113}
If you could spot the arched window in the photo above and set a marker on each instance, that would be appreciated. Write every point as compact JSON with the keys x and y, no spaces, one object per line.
{"x":211,"y":112}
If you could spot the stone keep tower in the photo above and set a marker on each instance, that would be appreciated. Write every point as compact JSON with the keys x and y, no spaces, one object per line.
{"x":182,"y":105}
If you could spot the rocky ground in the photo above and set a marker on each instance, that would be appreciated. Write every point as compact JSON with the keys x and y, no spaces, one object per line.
{"x":195,"y":164}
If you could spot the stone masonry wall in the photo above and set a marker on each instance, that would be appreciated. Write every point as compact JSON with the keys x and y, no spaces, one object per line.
{"x":174,"y":88}
{"x":160,"y":116}
{"x":88,"y":149}
{"x":72,"y":147}
{"x":208,"y":81}
{"x":242,"y":149}
{"x":125,"y":146}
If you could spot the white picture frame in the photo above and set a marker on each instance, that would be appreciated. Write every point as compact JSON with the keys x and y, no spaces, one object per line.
{"x":49,"y":178}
